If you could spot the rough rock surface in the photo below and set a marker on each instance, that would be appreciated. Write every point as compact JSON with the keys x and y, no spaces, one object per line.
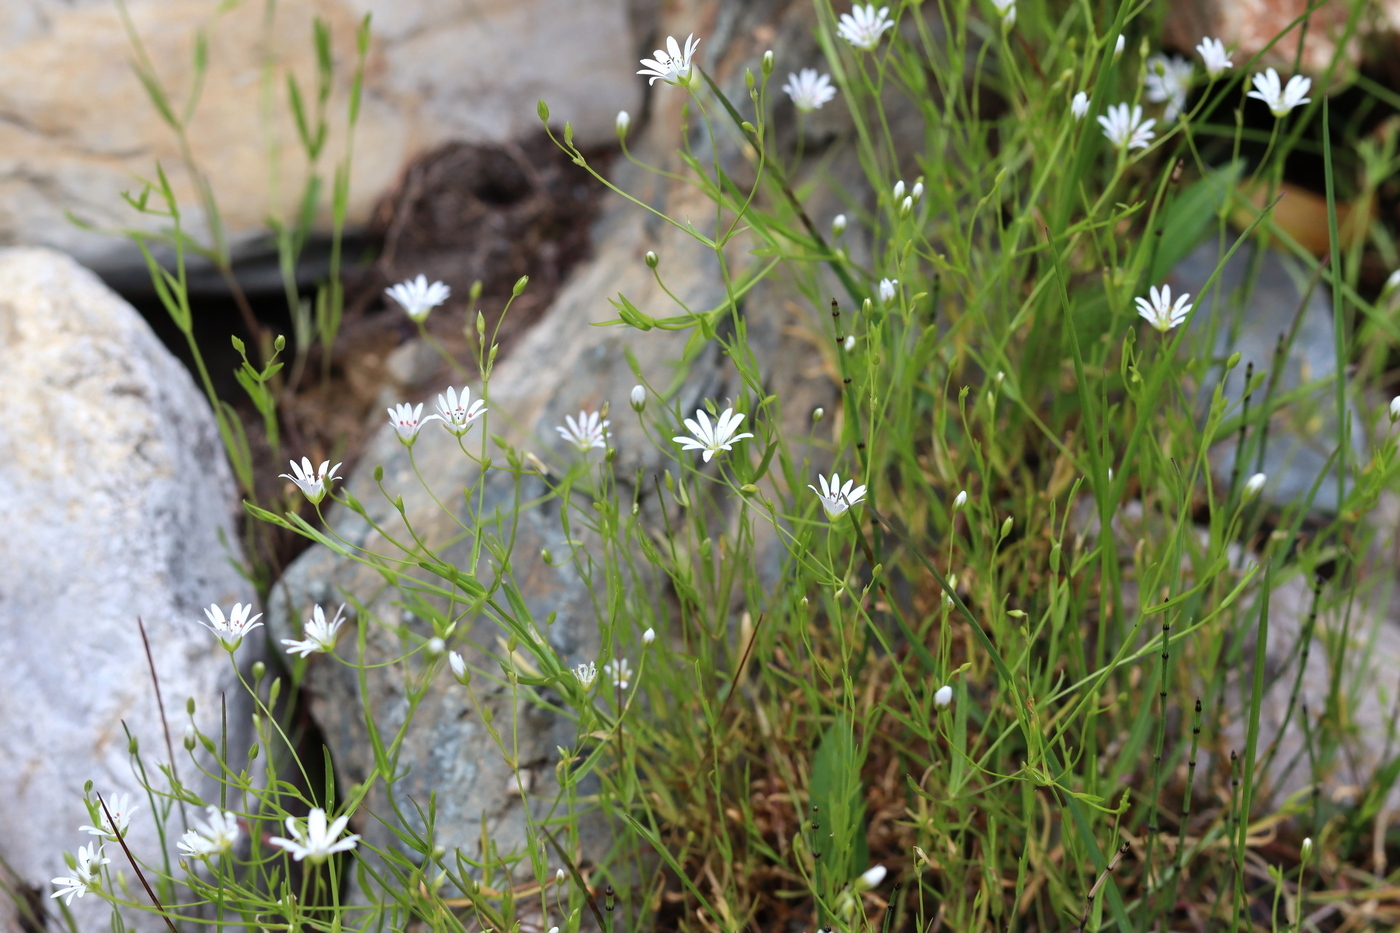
{"x":564,"y":364}
{"x":116,"y":502}
{"x":1280,"y":301}
{"x":76,"y":126}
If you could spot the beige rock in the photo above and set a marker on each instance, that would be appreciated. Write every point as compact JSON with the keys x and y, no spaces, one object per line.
{"x":77,"y":128}
{"x":1247,"y":26}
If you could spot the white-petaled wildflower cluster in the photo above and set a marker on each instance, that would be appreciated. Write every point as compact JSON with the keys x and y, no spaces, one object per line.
{"x":113,"y":821}
{"x":314,"y":840}
{"x":864,"y":25}
{"x":1168,"y":81}
{"x":87,"y":868}
{"x":809,"y":89}
{"x":318,"y":635}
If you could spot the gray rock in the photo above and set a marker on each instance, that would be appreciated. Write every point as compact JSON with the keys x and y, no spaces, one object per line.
{"x":563,"y":364}
{"x":1253,"y":304}
{"x":116,"y":502}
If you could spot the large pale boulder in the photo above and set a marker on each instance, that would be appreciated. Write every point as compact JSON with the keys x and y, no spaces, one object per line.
{"x":115,"y":502}
{"x":78,"y":128}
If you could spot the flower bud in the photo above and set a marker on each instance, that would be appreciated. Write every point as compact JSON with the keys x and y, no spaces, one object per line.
{"x":1395,"y":409}
{"x":838,"y":225}
{"x":559,"y":876}
{"x":818,"y":414}
{"x":542,"y":109}
{"x":850,"y":343}
{"x":1252,"y":486}
{"x":943,"y":696}
{"x":624,"y":123}
{"x":870,"y":878}
{"x":652,"y":260}
{"x":519,"y":286}
{"x":959,"y":501}
{"x":189,"y":738}
{"x":1118,"y":46}
{"x":865,"y":306}
{"x":897,"y":194}
{"x":649,"y":636}
{"x":917,"y":191}
{"x":459,"y":667}
{"x":767,"y":63}
{"x":435,"y":647}
{"x":189,"y":706}
{"x":906,"y":207}
{"x":639,"y":398}
{"x":259,"y":671}
{"x":1306,"y":849}
{"x":1006,"y":527}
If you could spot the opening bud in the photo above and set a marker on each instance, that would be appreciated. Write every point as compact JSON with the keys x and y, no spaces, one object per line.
{"x":1253,"y":486}
{"x":943,"y":696}
{"x":838,"y":225}
{"x":638,"y":398}
{"x":652,"y":260}
{"x":767,"y":63}
{"x":624,"y":123}
{"x":818,"y":414}
{"x":960,"y":501}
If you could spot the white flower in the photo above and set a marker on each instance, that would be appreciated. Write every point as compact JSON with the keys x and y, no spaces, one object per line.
{"x":671,"y":64}
{"x":960,"y":500}
{"x":836,"y":499}
{"x":1007,"y":10}
{"x":314,"y":483}
{"x":457,"y":412}
{"x":1252,"y":486}
{"x":838,"y":225}
{"x":887,"y":288}
{"x":943,"y":695}
{"x":862,"y":27}
{"x":1168,"y":81}
{"x":417,"y":297}
{"x":586,"y":674}
{"x":217,"y":836}
{"x":638,"y":397}
{"x":231,"y":630}
{"x":620,"y":672}
{"x":871,"y":878}
{"x":624,"y":122}
{"x":1214,"y":55}
{"x":315,"y":841}
{"x":434,"y":647}
{"x":320,"y":634}
{"x":84,"y":875}
{"x":1126,"y":128}
{"x":1269,"y":89}
{"x":711,"y":439}
{"x":809,"y":90}
{"x":1118,"y":46}
{"x":407,"y":421}
{"x":120,"y":806}
{"x":906,"y":207}
{"x":586,"y":433}
{"x":1080,"y":105}
{"x":649,"y":636}
{"x":849,"y":345}
{"x":1160,"y":312}
{"x":459,"y":666}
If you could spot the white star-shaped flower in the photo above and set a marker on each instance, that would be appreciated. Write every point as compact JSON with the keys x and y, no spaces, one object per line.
{"x":417,"y":297}
{"x":315,"y":841}
{"x":671,"y":64}
{"x":863,"y":26}
{"x":1080,"y":105}
{"x":320,"y":634}
{"x":85,"y":874}
{"x":1214,"y":55}
{"x":1007,"y":10}
{"x":456,"y":414}
{"x":120,"y":805}
{"x":1168,"y":81}
{"x":809,"y":90}
{"x":314,"y":483}
{"x":230,"y":631}
{"x":1160,"y":312}
{"x":407,"y":420}
{"x":1280,"y":98}
{"x":1126,"y":128}
{"x":711,"y":439}
{"x":587,"y":432}
{"x":619,"y":672}
{"x":836,"y":499}
{"x":218,"y":836}
{"x":586,"y":674}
